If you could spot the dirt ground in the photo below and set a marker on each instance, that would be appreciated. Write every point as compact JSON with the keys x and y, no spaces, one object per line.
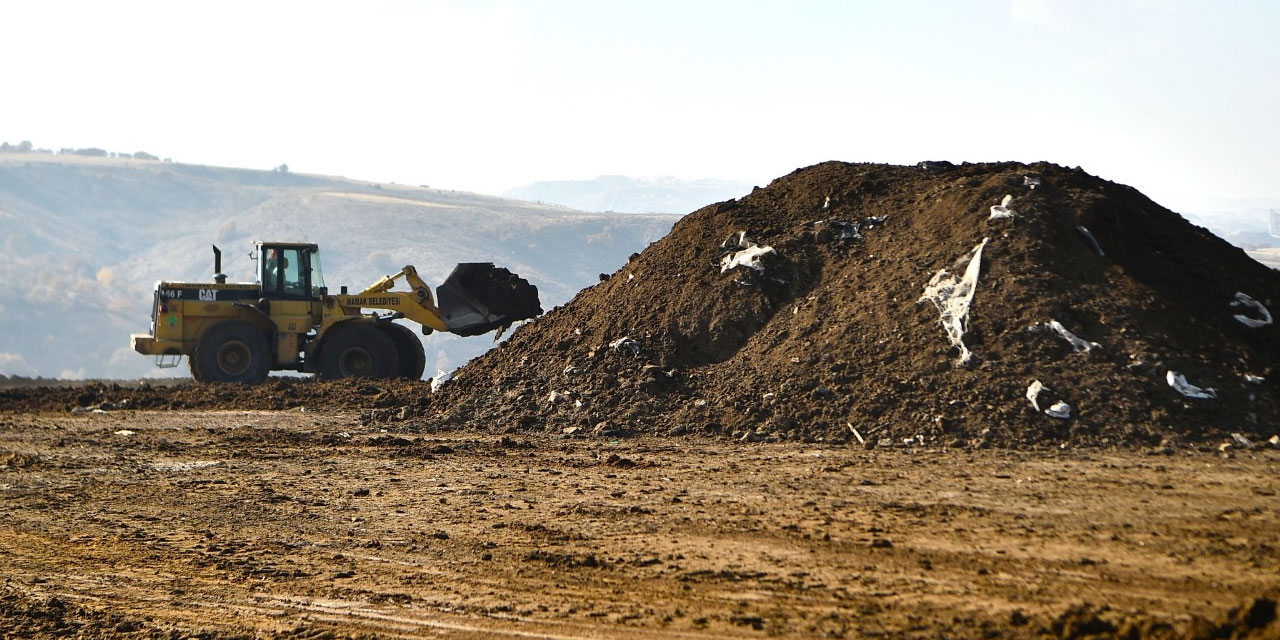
{"x":306,"y":524}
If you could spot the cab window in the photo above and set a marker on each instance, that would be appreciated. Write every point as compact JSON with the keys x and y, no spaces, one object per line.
{"x":283,"y":273}
{"x":294,"y":285}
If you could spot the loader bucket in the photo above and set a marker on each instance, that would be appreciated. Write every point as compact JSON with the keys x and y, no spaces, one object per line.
{"x":479,"y":297}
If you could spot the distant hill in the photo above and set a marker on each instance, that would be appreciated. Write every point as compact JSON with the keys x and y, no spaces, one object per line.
{"x":1246,"y":224}
{"x":84,"y":239}
{"x":1246,"y":227}
{"x":632,"y":195}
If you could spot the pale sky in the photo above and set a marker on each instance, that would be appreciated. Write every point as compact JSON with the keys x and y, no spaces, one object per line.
{"x":1178,"y":98}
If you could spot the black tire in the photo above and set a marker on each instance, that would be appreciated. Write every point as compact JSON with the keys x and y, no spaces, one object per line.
{"x":361,"y":351}
{"x":413,"y":360}
{"x":231,"y":351}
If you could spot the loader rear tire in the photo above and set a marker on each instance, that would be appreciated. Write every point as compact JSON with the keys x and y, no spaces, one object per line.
{"x":359,"y":352}
{"x":231,"y":351}
{"x":413,"y":360}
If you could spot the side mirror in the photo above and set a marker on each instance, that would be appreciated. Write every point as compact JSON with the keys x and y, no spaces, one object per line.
{"x":322,"y":291}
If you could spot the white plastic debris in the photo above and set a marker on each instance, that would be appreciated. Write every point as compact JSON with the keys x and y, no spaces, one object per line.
{"x":1077,"y":344}
{"x":1242,"y":441}
{"x":1180,"y":384}
{"x":749,"y":257}
{"x":1088,"y":236}
{"x":826,"y":203}
{"x":440,"y":378}
{"x":1033,"y":393}
{"x":1245,"y":301}
{"x":1002,"y":210}
{"x":748,"y":253}
{"x":625,"y":342}
{"x":124,"y":432}
{"x":104,"y":407}
{"x":1060,"y":410}
{"x":952,"y":297}
{"x":850,"y":230}
{"x":1252,"y":379}
{"x":861,"y":440}
{"x":1030,"y":182}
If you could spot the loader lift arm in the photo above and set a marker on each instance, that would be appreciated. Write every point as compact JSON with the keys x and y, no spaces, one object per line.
{"x":416,"y":304}
{"x":476,"y":298}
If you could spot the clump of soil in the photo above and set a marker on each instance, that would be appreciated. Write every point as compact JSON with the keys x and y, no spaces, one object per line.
{"x":831,"y":335}
{"x":1256,"y":618}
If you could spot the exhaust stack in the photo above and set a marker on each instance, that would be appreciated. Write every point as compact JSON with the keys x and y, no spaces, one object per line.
{"x":218,"y":276}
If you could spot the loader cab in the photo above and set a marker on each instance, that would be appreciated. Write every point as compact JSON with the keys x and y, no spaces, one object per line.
{"x":290,"y":271}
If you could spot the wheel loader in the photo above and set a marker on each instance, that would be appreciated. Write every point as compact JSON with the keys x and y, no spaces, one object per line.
{"x":288,"y":320}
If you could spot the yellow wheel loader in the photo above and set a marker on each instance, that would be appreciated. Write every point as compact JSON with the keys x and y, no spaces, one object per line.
{"x":288,"y":320}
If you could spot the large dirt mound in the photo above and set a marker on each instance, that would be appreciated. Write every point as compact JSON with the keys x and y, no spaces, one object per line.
{"x":831,"y":334}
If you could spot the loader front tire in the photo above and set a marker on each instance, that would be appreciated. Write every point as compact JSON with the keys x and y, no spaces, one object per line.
{"x":359,"y":352}
{"x":413,"y":360}
{"x":231,"y":351}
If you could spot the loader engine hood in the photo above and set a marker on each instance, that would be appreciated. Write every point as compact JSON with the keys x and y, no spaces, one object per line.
{"x":479,"y":297}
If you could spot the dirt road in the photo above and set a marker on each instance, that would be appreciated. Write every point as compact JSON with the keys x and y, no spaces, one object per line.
{"x":218,"y":524}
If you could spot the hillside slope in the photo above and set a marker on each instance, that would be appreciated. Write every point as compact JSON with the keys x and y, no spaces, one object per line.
{"x":631,"y":195}
{"x":85,"y":239}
